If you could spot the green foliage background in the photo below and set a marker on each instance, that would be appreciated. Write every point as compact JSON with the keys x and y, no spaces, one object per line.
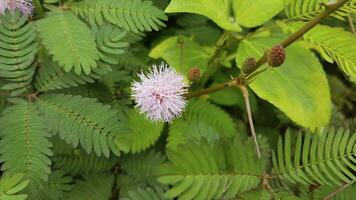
{"x":69,"y":129}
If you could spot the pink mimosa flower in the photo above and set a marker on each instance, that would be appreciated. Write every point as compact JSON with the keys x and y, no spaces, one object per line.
{"x":159,"y":93}
{"x":24,"y":6}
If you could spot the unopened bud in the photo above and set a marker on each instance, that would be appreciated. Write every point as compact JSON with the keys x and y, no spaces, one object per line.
{"x":249,"y":65}
{"x":276,"y":56}
{"x":194,"y":74}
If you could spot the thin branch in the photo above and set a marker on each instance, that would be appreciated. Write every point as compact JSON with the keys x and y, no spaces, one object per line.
{"x":351,"y":24}
{"x":9,"y":95}
{"x":208,"y":90}
{"x":339,"y":190}
{"x":265,"y":183}
{"x":5,"y":94}
{"x":181,"y":46}
{"x":245,"y":94}
{"x":33,"y":96}
{"x":219,"y":46}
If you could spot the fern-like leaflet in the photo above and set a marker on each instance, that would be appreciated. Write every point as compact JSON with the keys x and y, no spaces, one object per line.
{"x":148,"y":193}
{"x":18,"y":49}
{"x":24,"y":146}
{"x":211,"y":171}
{"x":10,"y":186}
{"x":110,"y":42}
{"x":85,"y":121}
{"x":57,"y":186}
{"x":323,"y":191}
{"x":333,"y":44}
{"x":307,"y":9}
{"x":134,"y":15}
{"x":143,"y":132}
{"x":142,"y":166}
{"x":51,"y":76}
{"x":79,"y":163}
{"x":140,"y":171}
{"x":327,"y":157}
{"x":94,"y":186}
{"x":69,"y":41}
{"x":201,"y":120}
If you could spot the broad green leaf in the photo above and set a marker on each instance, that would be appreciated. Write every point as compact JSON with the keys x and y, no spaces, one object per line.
{"x":333,"y":44}
{"x":181,"y":53}
{"x":230,"y":96}
{"x":216,"y":10}
{"x":227,"y":97}
{"x":299,"y":87}
{"x":254,"y":13}
{"x":230,"y":14}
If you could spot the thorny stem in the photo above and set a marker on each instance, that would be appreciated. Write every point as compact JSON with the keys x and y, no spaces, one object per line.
{"x":245,"y":94}
{"x":39,"y":8}
{"x":339,"y":190}
{"x":351,"y":24}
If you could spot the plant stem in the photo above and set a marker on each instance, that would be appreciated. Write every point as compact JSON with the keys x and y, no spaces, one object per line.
{"x":339,"y":190}
{"x":351,"y":23}
{"x":39,"y":8}
{"x":245,"y":94}
{"x":265,"y":184}
{"x":181,"y":46}
{"x":220,"y":45}
{"x":208,"y":90}
{"x":329,"y":8}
